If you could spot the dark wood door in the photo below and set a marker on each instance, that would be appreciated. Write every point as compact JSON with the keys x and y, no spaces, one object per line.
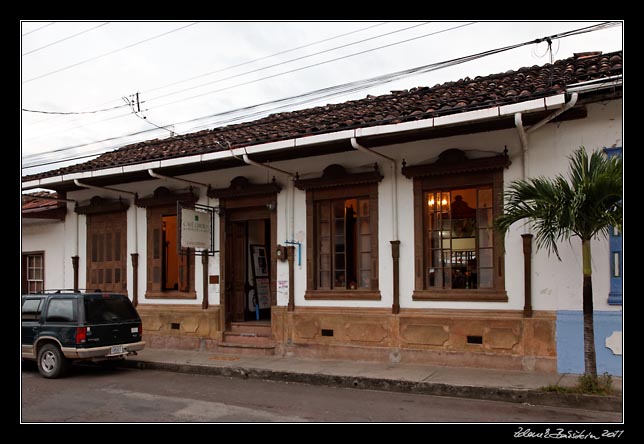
{"x":236,"y":285}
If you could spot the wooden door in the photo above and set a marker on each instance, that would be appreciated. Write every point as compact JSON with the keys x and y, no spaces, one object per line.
{"x":236,"y":284}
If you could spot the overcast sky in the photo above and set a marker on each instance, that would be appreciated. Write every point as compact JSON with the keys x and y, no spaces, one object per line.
{"x":187,"y":71}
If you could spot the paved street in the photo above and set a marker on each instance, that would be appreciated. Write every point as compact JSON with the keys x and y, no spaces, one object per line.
{"x":94,"y":394}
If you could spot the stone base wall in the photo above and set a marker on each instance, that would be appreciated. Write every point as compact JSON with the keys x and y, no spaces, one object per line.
{"x":501,"y":339}
{"x":472,"y":338}
{"x":183,"y":327}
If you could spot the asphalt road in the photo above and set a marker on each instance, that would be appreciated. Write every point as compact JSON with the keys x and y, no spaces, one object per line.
{"x":97,"y":394}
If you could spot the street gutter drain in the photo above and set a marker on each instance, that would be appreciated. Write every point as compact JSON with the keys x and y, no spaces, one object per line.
{"x":175,"y":326}
{"x":326,"y":332}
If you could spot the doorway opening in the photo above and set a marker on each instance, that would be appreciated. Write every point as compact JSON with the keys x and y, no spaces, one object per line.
{"x":249,"y":270}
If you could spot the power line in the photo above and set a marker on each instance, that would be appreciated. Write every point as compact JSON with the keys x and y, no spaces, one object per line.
{"x":38,"y":29}
{"x":63,"y":39}
{"x":107,"y":53}
{"x":248,"y":62}
{"x":348,"y":87}
{"x":285,"y":72}
{"x":304,"y":67}
{"x":73,"y":112}
{"x":286,"y":61}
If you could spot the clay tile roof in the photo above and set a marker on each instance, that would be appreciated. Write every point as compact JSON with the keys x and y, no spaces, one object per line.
{"x":29,"y":202}
{"x":467,"y":94}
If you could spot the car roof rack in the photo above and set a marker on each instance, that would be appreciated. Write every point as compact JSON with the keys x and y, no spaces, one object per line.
{"x":69,"y":290}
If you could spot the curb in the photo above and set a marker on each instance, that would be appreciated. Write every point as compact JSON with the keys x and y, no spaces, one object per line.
{"x":529,"y":396}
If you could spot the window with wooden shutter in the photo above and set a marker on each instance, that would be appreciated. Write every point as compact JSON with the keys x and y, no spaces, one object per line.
{"x":106,"y":251}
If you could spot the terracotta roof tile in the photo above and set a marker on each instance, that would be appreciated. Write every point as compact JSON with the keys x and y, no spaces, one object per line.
{"x":29,"y":201}
{"x":466,"y":94}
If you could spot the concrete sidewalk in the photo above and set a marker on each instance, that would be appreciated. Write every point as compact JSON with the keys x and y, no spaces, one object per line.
{"x":499,"y":385}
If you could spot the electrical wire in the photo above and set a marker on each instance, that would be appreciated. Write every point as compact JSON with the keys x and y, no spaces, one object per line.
{"x":107,"y":53}
{"x":73,"y":112}
{"x":37,"y":29}
{"x":63,"y":39}
{"x":277,"y":74}
{"x":354,"y":86}
{"x":237,"y":65}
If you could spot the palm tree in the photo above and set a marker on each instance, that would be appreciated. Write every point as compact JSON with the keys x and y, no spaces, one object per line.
{"x":586,"y":205}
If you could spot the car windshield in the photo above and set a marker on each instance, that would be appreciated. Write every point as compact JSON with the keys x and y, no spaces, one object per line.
{"x":108,"y":308}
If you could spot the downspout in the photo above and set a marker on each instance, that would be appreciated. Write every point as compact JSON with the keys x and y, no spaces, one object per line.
{"x":292,"y":241}
{"x":395,"y":243}
{"x":527,"y":236}
{"x":135,"y":255}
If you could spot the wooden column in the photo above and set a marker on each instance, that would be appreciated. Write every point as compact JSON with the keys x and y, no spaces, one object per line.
{"x":135,"y":278}
{"x":395,"y":254}
{"x":527,"y":274}
{"x":204,"y":263}
{"x":290,"y":255}
{"x":75,"y":266}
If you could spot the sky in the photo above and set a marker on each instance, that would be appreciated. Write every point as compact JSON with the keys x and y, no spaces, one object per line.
{"x":124,"y":82}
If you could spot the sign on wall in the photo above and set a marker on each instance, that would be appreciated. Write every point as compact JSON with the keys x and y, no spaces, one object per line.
{"x":196,"y":228}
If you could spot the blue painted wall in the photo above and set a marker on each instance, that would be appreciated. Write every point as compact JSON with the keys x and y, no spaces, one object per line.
{"x":570,"y":342}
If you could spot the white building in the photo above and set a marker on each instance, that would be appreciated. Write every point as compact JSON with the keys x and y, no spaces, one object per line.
{"x":384,"y":206}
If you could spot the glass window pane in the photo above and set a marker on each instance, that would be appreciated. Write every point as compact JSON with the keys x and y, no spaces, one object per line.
{"x":340,"y":280}
{"x":485,"y":257}
{"x":339,"y":261}
{"x":485,"y":238}
{"x":485,"y":278}
{"x":484,"y":218}
{"x":365,"y":279}
{"x":61,"y":310}
{"x":365,"y":260}
{"x":338,"y":209}
{"x":485,"y":198}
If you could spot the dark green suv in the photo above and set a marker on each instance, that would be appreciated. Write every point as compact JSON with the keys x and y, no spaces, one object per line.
{"x":60,"y":327}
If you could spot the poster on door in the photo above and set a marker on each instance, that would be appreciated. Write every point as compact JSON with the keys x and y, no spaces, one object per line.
{"x":261,"y":275}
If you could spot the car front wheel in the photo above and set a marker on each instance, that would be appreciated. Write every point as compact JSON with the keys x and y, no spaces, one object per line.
{"x":51,"y":362}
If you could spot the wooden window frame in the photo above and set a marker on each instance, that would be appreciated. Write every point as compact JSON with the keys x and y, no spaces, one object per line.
{"x":336,"y":183}
{"x":163,"y":202}
{"x":25,"y":269}
{"x":454,"y":171}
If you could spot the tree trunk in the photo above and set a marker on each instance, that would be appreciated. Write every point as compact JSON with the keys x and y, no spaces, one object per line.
{"x":590,"y":361}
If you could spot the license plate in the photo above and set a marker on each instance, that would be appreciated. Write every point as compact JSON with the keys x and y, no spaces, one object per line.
{"x":116,"y":350}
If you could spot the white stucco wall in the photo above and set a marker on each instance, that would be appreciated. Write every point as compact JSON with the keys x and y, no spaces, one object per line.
{"x":556,"y":285}
{"x":49,"y":237}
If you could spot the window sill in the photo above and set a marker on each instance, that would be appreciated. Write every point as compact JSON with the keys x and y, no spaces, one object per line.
{"x":461,"y":295}
{"x":173,"y":294}
{"x":342,"y":295}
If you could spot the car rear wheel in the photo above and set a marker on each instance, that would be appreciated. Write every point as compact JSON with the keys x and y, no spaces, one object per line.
{"x":51,"y":362}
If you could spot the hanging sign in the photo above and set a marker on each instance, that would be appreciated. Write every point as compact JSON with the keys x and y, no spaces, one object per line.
{"x":196,"y":229}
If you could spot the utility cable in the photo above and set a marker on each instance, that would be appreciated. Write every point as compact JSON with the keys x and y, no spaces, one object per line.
{"x":37,"y":29}
{"x":63,"y":39}
{"x":369,"y":82}
{"x":239,"y":64}
{"x":108,"y":53}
